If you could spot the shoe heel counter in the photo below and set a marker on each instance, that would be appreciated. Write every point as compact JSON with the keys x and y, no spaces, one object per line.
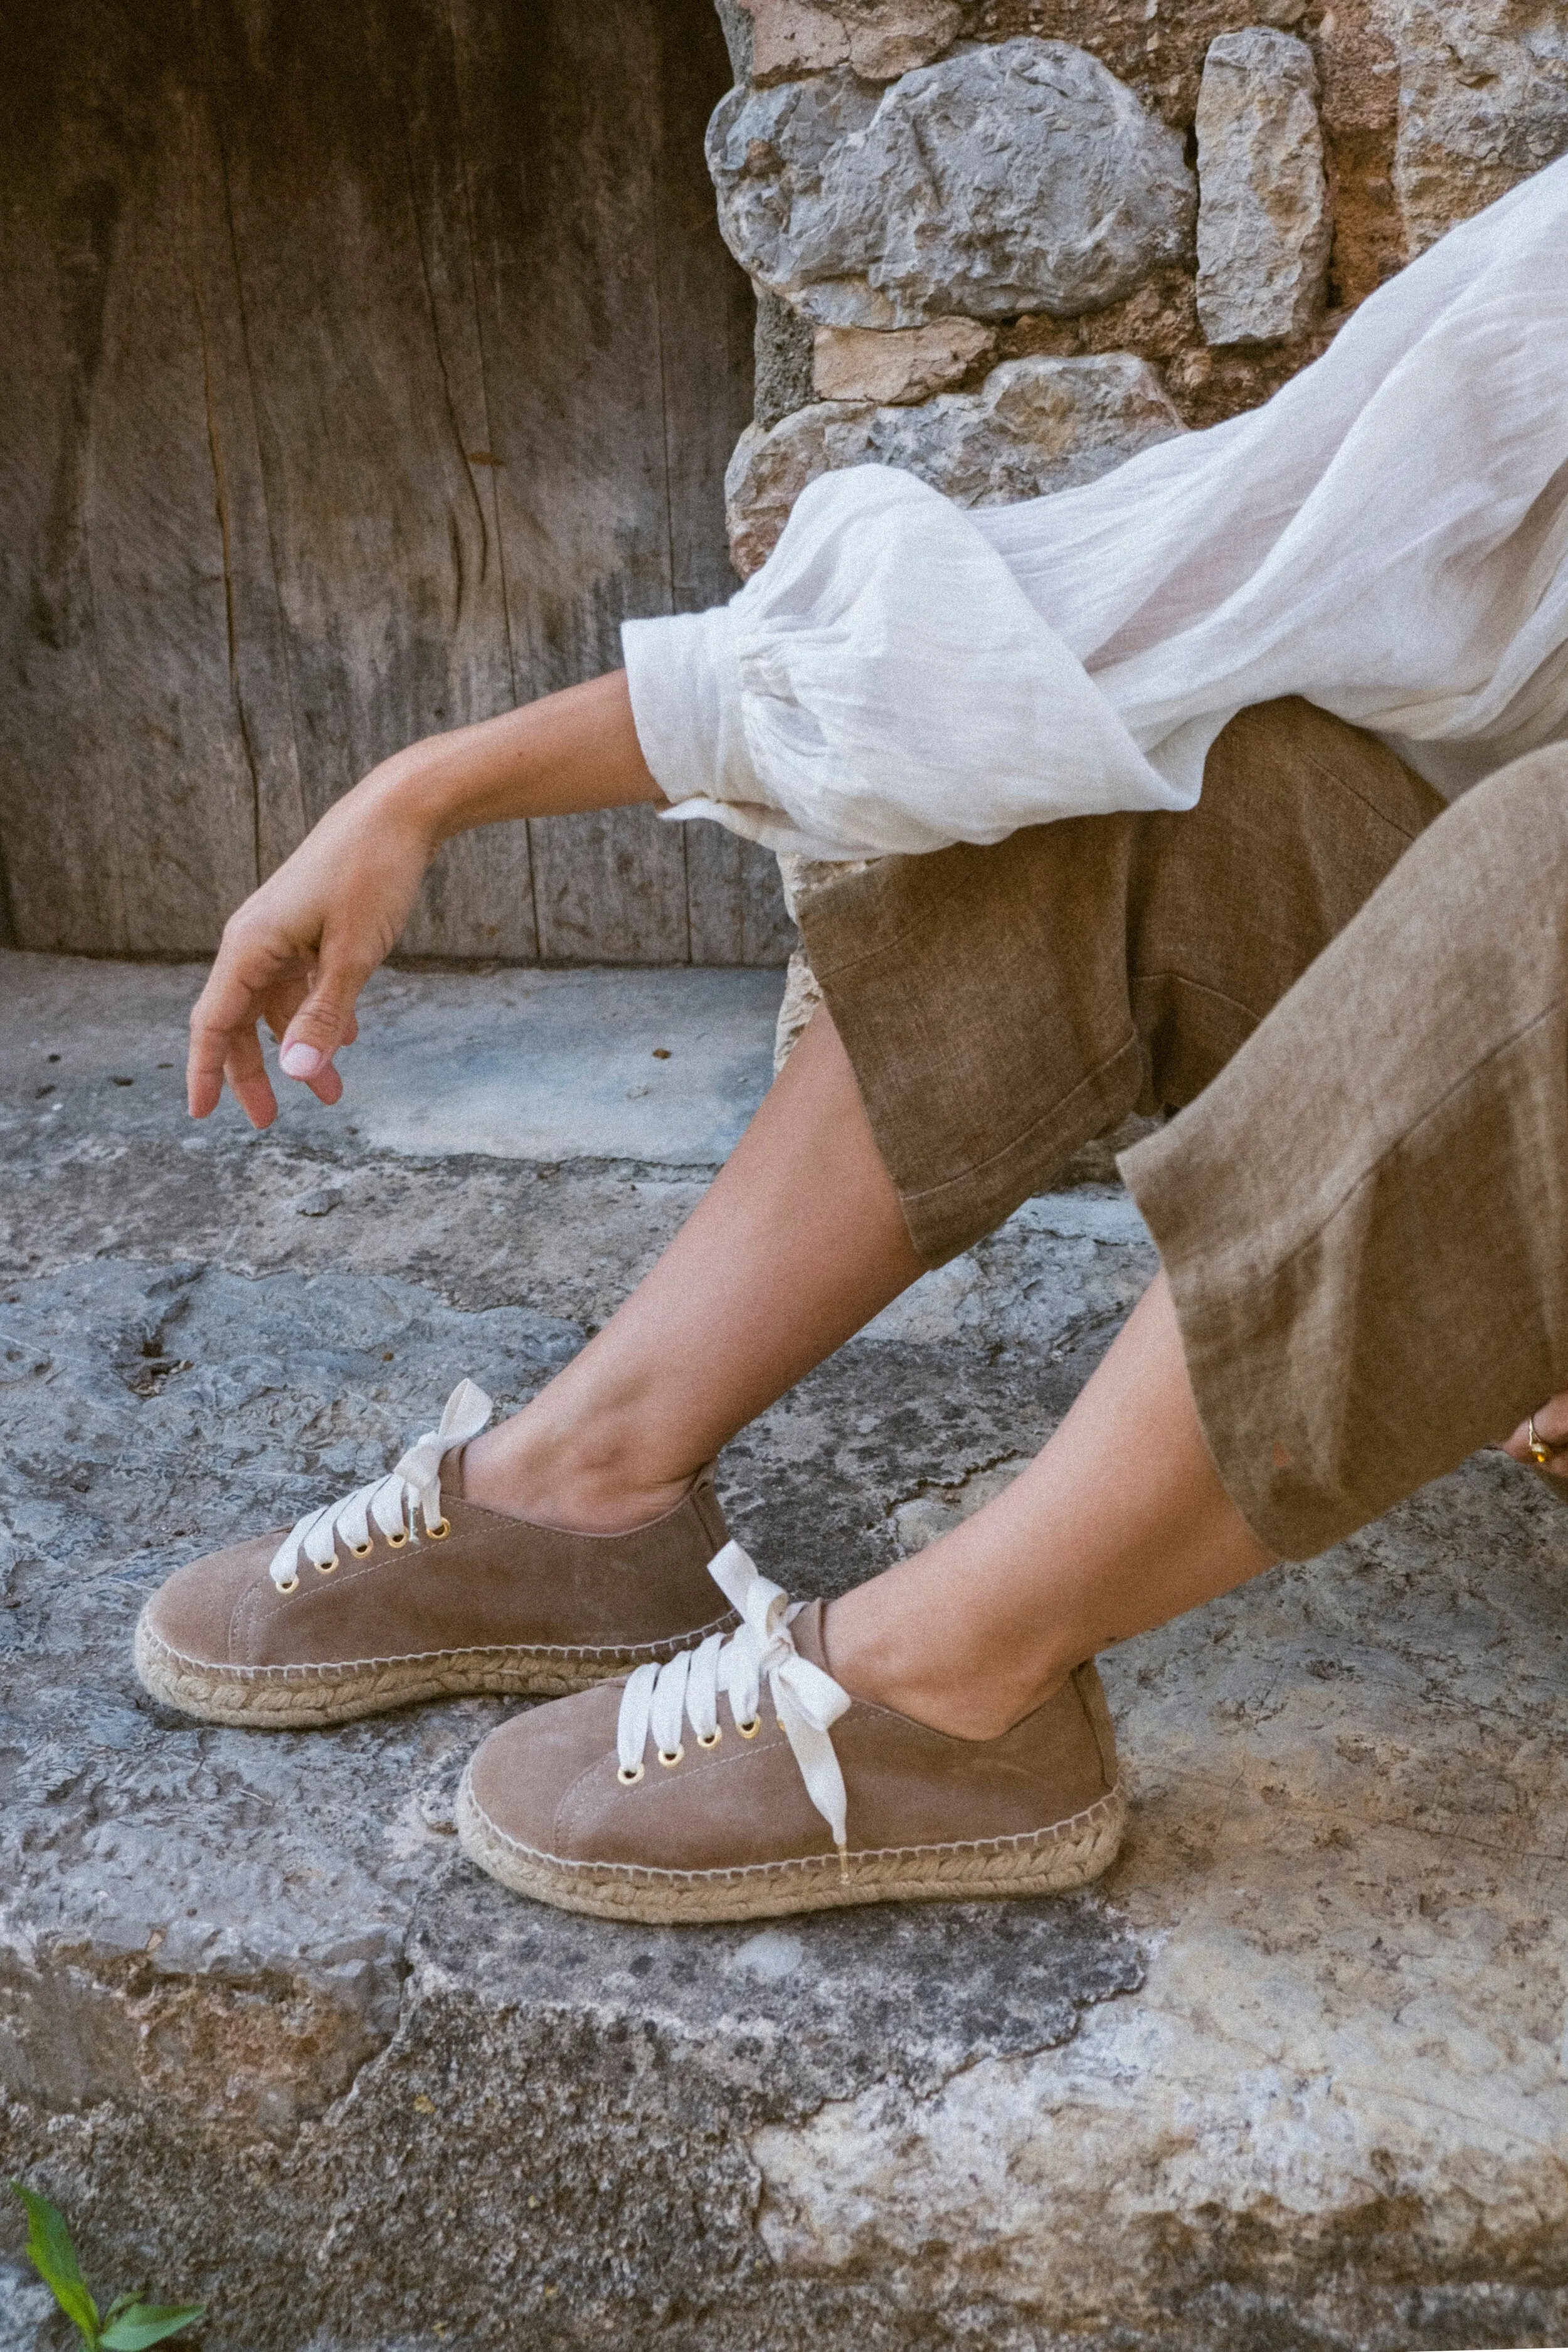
{"x":709,"y":1513}
{"x":1097,"y":1714}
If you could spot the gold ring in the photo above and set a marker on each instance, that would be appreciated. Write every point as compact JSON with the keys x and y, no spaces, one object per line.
{"x":1541,"y":1449}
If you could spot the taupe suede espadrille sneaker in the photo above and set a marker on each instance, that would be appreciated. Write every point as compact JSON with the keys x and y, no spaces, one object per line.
{"x":405,"y":1590}
{"x":681,"y":1793}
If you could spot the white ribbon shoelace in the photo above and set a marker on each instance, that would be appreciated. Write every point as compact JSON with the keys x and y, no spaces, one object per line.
{"x":807,"y":1700}
{"x":388,"y":1503}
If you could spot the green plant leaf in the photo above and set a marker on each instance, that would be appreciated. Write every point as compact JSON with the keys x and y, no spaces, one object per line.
{"x":142,"y":2324}
{"x":52,"y":2255}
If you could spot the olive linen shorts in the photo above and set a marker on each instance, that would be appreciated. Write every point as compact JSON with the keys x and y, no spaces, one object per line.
{"x":1360,"y":999}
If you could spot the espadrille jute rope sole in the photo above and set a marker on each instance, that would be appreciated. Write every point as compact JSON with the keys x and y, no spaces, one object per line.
{"x":1048,"y":1862}
{"x":311,"y":1697}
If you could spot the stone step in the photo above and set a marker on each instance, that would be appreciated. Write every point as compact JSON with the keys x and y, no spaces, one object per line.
{"x":1294,"y":2077}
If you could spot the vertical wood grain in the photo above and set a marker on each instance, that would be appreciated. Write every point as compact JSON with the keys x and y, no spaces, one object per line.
{"x":565,"y":193}
{"x":734,"y":900}
{"x":127,"y":799}
{"x":364,"y":373}
{"x":364,"y":366}
{"x":706,"y":309}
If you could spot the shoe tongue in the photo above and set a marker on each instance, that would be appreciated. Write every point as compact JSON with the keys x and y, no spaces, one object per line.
{"x":807,"y":1632}
{"x":452,"y":1473}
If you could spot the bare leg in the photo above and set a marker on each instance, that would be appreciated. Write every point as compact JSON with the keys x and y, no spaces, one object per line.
{"x":799,"y":1241}
{"x":1119,"y":1524}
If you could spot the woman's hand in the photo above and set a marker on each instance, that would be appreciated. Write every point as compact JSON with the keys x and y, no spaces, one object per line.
{"x":297,"y":954}
{"x":300,"y":949}
{"x":1551,"y":1429}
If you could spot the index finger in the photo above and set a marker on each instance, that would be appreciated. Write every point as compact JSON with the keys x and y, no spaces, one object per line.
{"x":223,"y":1043}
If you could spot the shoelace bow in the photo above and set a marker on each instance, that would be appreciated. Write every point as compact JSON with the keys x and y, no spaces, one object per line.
{"x":389,"y":1502}
{"x":806,"y":1699}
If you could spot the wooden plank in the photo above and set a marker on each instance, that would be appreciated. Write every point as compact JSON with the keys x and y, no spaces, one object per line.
{"x":257,"y":638}
{"x":56,"y":246}
{"x":54,"y":259}
{"x":707,"y":313}
{"x":562,"y":186}
{"x":735,"y":899}
{"x":127,"y":801}
{"x":610,"y":887}
{"x":365,"y":367}
{"x":707,"y":318}
{"x":347,"y":197}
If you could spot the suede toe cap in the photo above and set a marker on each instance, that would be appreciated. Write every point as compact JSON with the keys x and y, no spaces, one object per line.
{"x":520,"y":1776}
{"x":195,"y":1612}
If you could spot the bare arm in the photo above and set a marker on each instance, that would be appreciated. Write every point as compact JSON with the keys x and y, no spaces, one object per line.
{"x":297,"y":954}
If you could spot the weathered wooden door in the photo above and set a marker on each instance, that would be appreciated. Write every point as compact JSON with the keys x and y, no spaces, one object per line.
{"x":362,"y":364}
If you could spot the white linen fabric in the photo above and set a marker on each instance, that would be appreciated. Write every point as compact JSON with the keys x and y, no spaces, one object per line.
{"x":1387,"y":536}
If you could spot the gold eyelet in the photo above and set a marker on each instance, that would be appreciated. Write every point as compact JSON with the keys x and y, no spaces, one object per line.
{"x":670,"y":1758}
{"x":399,"y":1541}
{"x":750,"y":1730}
{"x":328,"y":1568}
{"x":292,"y":1585}
{"x":629,"y":1780}
{"x":710,"y":1739}
{"x":361,"y":1551}
{"x":440,"y":1531}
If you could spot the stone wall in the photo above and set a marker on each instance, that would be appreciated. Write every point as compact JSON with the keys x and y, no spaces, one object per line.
{"x":1319,"y":147}
{"x":1007,"y":243}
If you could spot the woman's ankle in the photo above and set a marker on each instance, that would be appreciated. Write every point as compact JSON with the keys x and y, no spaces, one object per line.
{"x":562,"y":1478}
{"x":888,"y":1665}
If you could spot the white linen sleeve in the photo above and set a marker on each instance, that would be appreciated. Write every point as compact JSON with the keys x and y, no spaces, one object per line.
{"x":881,"y":685}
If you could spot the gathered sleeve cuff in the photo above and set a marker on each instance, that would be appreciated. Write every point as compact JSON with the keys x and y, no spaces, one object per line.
{"x":683,"y":675}
{"x":882,"y":684}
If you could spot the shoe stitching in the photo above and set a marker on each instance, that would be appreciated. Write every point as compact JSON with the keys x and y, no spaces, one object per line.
{"x":464,"y":1503}
{"x":241,"y":1631}
{"x":327,"y":1669}
{"x":651,"y":1794}
{"x":640,"y":1870}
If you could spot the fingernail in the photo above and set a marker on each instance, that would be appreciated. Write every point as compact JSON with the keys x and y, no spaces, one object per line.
{"x":299,"y":1060}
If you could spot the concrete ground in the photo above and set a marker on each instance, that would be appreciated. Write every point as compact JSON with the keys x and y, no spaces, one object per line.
{"x":1293,"y":2077}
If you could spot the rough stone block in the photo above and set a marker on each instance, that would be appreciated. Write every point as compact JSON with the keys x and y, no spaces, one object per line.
{"x":888,"y":37}
{"x":1483,"y":92}
{"x":1264,"y":226}
{"x":803,"y":994}
{"x":27,"y":2306}
{"x":897,"y":367}
{"x":1293,"y":2077}
{"x":1020,"y":177}
{"x":791,"y":37}
{"x":782,"y":345}
{"x":881,"y":39}
{"x":1036,"y":425}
